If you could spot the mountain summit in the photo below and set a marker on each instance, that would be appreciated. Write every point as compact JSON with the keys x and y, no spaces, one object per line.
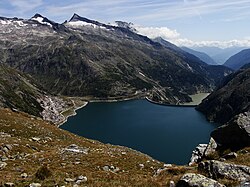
{"x":42,"y":20}
{"x":77,"y":20}
{"x":76,"y":17}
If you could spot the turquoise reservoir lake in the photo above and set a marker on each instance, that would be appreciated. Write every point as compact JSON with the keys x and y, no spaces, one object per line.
{"x":166,"y":133}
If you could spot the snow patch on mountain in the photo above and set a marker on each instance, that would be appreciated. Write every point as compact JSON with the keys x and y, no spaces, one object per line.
{"x":5,"y":22}
{"x":13,"y":23}
{"x":41,"y":20}
{"x":20,"y":23}
{"x":82,"y":23}
{"x":85,"y":24}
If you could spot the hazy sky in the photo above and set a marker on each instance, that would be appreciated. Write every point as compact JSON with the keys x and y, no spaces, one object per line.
{"x":184,"y":22}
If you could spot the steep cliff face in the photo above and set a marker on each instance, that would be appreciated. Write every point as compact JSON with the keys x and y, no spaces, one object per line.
{"x":230,"y":99}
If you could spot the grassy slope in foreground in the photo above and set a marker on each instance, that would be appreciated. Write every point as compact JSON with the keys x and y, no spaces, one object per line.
{"x":27,"y":156}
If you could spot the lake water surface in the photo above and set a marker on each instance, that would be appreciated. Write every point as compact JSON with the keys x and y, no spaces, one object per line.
{"x":168,"y":134}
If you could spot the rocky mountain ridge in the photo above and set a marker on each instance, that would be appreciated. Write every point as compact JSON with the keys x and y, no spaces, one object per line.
{"x":220,"y":55}
{"x":101,"y":61}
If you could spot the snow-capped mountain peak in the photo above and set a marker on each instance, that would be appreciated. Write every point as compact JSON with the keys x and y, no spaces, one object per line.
{"x":42,"y":20}
{"x":75,"y":17}
{"x":78,"y":21}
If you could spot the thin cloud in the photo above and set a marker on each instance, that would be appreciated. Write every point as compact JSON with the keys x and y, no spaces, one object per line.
{"x":175,"y":37}
{"x":196,"y":8}
{"x":19,"y":7}
{"x":25,"y":5}
{"x":220,"y":44}
{"x":154,"y":32}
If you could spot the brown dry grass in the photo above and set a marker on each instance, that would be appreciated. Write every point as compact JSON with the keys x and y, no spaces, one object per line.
{"x":47,"y":151}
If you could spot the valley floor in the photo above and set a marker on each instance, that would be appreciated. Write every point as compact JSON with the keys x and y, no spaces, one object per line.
{"x":197,"y":98}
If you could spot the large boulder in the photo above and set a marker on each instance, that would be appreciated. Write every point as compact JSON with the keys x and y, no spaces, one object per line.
{"x":202,"y":151}
{"x":197,"y":180}
{"x":216,"y":169}
{"x":211,"y":148}
{"x":198,"y":153}
{"x":235,"y":134}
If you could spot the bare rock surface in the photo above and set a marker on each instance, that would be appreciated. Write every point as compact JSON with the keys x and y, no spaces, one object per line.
{"x":197,"y":180}
{"x":216,"y":169}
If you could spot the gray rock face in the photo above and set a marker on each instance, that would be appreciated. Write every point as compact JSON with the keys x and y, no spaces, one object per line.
{"x":235,"y":134}
{"x":202,"y":151}
{"x":211,"y":147}
{"x":216,"y":169}
{"x":197,"y":180}
{"x":198,"y":153}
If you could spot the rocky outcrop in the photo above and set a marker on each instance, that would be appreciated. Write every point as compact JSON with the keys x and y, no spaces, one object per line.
{"x":197,"y":180}
{"x":235,"y":134}
{"x":211,"y":148}
{"x":216,"y":169}
{"x":202,"y":151}
{"x":198,"y":153}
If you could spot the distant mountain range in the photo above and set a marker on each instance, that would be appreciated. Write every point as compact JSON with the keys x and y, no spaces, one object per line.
{"x":203,"y":56}
{"x":84,"y":57}
{"x":219,"y":55}
{"x":238,"y":60}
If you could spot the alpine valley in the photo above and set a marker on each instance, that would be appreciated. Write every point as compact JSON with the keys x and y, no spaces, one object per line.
{"x":49,"y":69}
{"x":83,"y":57}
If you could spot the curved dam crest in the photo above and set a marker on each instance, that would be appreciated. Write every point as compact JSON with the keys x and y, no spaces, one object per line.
{"x":168,"y":134}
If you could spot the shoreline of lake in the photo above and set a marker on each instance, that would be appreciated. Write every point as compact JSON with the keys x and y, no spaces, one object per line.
{"x":72,"y":114}
{"x":135,"y":97}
